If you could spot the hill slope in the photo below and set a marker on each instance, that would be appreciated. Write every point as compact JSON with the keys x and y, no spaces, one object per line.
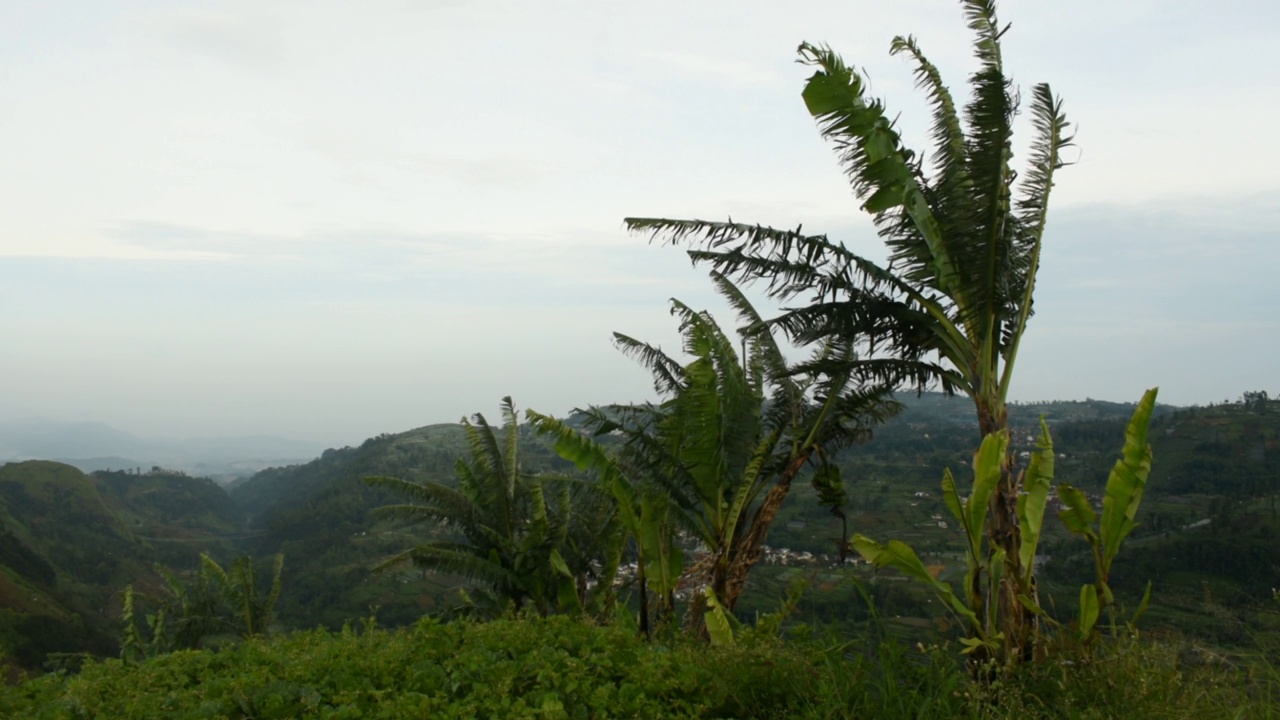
{"x":319,"y":516}
{"x":69,"y":542}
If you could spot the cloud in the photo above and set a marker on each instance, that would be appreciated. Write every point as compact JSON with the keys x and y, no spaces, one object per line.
{"x":352,"y":249}
{"x":717,"y":71}
{"x":366,"y":161}
{"x":237,"y":39}
{"x":388,"y":265}
{"x":501,"y":172}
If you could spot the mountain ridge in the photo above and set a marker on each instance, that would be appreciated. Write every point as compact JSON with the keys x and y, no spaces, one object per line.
{"x":93,"y":446}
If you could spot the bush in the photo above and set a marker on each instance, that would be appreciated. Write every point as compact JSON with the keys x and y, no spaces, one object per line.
{"x":563,"y":668}
{"x":541,"y":668}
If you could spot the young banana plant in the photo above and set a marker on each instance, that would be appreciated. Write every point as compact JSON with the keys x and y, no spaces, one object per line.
{"x":1120,"y":501}
{"x":987,"y":562}
{"x":646,"y":515}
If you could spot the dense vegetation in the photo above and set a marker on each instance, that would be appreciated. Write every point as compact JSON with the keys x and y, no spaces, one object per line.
{"x":562,"y":668}
{"x":70,"y":543}
{"x":1212,"y":582}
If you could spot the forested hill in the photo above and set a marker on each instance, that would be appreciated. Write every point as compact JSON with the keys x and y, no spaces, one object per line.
{"x":69,"y":542}
{"x":1207,"y":532}
{"x":319,"y":515}
{"x":423,"y":452}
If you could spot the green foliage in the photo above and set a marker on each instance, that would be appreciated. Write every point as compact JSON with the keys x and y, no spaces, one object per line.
{"x":168,"y":502}
{"x":527,"y":668}
{"x":644,"y":511}
{"x":770,"y":624}
{"x":719,"y":629}
{"x":239,"y":588}
{"x":985,"y":565}
{"x":1123,"y":496}
{"x":56,"y":512}
{"x":898,"y":554}
{"x":27,"y":563}
{"x":1127,"y":678}
{"x":1032,"y":500}
{"x":829,"y":485}
{"x":1255,"y":400}
{"x":28,"y":640}
{"x":831,"y":492}
{"x":68,"y":543}
{"x":215,"y":604}
{"x":515,"y":527}
{"x":559,"y":667}
{"x":320,"y":513}
{"x":731,"y":434}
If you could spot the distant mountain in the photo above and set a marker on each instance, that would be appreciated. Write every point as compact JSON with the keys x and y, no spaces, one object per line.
{"x":44,"y":439}
{"x":104,"y":464}
{"x":96,"y":446}
{"x":319,"y":513}
{"x":958,"y":409}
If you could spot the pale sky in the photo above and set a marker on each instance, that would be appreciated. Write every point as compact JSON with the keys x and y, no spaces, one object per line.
{"x":329,"y":220}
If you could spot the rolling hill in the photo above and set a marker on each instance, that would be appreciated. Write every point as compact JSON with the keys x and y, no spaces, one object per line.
{"x":1207,"y":530}
{"x":69,"y":543}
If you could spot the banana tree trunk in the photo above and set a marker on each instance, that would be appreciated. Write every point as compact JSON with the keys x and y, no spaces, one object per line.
{"x":1017,"y":622}
{"x":747,"y":552}
{"x":843,"y":545}
{"x":695,"y":615}
{"x":644,"y":600}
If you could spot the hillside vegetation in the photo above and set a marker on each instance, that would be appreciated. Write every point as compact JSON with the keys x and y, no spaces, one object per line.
{"x":73,"y":541}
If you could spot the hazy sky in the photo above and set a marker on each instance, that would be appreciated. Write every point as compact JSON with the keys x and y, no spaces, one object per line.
{"x":330,"y":220}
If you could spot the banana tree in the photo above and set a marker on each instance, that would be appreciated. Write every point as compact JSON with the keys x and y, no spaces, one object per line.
{"x":644,"y":511}
{"x":213,"y":607}
{"x":238,"y":585}
{"x":732,"y":433}
{"x":829,"y":485}
{"x":963,"y":232}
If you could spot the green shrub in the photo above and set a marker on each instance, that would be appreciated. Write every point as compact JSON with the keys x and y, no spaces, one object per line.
{"x":559,"y":667}
{"x":535,"y":668}
{"x":1128,"y":678}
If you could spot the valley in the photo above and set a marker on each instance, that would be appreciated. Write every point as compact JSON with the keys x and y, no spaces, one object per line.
{"x":1205,"y":536}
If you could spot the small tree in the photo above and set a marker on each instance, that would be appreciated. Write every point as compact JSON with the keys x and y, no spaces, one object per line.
{"x":974,"y":606}
{"x":214,"y":606}
{"x":251,"y":610}
{"x":517,"y":530}
{"x":1255,"y":401}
